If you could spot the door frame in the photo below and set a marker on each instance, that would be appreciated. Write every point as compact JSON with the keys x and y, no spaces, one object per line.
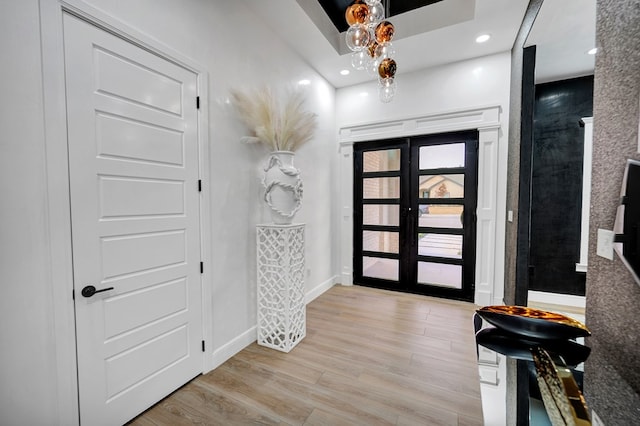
{"x":492,"y":187}
{"x":58,"y":197}
{"x":408,"y":203}
{"x":402,"y":145}
{"x":469,"y":237}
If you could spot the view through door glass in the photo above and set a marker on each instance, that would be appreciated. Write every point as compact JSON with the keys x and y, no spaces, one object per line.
{"x":414,"y":219}
{"x":379,"y":215}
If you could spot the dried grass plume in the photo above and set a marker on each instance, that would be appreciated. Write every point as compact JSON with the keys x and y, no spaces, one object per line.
{"x":279,"y":126}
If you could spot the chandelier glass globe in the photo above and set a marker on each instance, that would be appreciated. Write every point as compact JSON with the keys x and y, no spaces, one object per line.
{"x":369,"y":37}
{"x":357,"y":37}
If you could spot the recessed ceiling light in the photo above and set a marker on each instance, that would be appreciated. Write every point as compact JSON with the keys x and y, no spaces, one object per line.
{"x":592,"y":51}
{"x":345,"y":72}
{"x":304,"y":82}
{"x":482,"y":38}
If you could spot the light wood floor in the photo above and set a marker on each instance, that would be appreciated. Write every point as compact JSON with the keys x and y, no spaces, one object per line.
{"x":371,"y":357}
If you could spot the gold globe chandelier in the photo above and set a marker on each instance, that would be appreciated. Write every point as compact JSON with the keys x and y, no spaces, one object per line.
{"x":369,"y":37}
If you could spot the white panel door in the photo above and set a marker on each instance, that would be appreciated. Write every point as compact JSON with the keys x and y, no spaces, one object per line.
{"x":133,"y":165}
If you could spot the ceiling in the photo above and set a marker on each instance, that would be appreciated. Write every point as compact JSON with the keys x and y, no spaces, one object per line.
{"x":564,"y":31}
{"x":436,"y":34}
{"x":335,"y":9}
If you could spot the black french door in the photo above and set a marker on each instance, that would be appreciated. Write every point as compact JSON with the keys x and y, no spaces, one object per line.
{"x":414,"y":214}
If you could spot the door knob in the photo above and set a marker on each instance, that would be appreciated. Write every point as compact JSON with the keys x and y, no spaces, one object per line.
{"x":90,"y":290}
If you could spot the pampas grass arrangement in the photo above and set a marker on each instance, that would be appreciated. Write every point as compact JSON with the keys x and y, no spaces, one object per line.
{"x":279,"y":126}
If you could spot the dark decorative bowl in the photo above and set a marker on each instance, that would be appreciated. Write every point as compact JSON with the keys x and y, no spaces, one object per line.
{"x":520,"y":347}
{"x":533,"y":323}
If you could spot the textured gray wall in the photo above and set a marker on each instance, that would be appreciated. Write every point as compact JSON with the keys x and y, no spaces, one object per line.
{"x":612,"y":379}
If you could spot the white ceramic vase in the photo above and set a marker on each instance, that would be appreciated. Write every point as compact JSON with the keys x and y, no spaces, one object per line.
{"x":283,"y":187}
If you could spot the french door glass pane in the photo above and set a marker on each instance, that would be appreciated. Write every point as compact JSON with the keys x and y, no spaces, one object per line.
{"x":440,"y":245}
{"x":388,"y":187}
{"x":381,"y":161}
{"x":440,"y":215}
{"x":442,"y":156}
{"x":385,"y":242}
{"x":441,"y":186}
{"x":381,"y":214}
{"x":376,"y":267}
{"x":440,"y":274}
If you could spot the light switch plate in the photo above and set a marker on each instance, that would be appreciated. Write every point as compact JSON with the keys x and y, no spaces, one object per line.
{"x":605,"y":243}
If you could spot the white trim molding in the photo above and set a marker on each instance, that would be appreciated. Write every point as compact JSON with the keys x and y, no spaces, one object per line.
{"x":346,"y":214}
{"x":465,"y":119}
{"x":491,"y":187}
{"x":226,"y":351}
{"x":312,"y":294}
{"x":587,"y":122}
{"x":557,"y":299}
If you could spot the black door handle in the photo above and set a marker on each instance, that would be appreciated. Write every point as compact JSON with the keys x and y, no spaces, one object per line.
{"x":90,"y":290}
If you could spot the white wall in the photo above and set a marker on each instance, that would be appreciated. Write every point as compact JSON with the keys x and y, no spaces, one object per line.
{"x":27,"y":358}
{"x":476,"y":82}
{"x":465,"y":85}
{"x":236,"y":50}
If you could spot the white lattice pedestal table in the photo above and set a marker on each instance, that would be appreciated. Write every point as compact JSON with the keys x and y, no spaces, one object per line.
{"x":281,"y":308}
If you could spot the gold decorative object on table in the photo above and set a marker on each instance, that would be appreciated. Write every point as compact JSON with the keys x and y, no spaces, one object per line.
{"x":520,"y":329}
{"x":561,"y":396}
{"x":532,"y":322}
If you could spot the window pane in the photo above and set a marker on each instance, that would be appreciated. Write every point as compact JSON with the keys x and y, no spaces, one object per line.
{"x":440,"y":245}
{"x":442,"y":156}
{"x":381,"y":161}
{"x":381,"y":187}
{"x":441,"y":186}
{"x":381,"y":214}
{"x":386,"y":242}
{"x":440,"y":274}
{"x":376,"y":267}
{"x":440,"y":215}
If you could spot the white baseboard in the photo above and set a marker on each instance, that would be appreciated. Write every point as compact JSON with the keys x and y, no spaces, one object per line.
{"x":319,"y":289}
{"x":234,"y":346}
{"x":557,"y":299}
{"x":248,"y":337}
